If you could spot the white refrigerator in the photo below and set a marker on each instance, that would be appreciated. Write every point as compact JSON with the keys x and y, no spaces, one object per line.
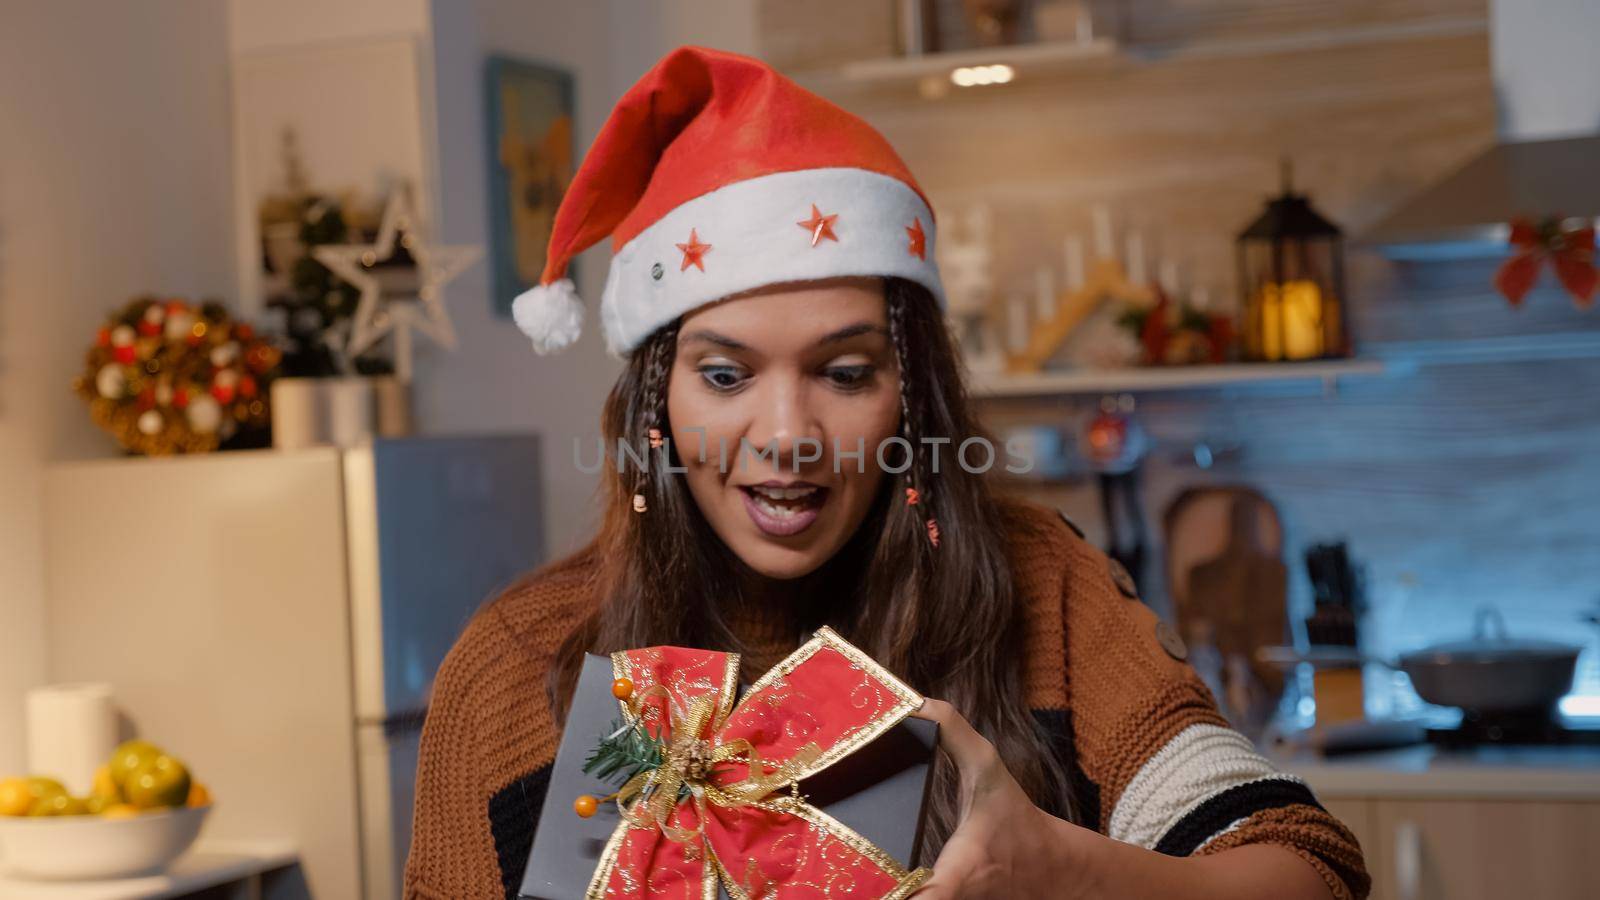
{"x":275,"y":619}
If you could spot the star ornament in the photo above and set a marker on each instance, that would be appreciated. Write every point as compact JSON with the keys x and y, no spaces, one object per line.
{"x":399,"y":301}
{"x":694,"y":252}
{"x":918,"y":239}
{"x":820,"y":226}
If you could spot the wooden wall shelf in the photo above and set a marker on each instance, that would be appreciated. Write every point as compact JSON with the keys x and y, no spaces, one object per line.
{"x":1056,"y":57}
{"x":1036,"y":57}
{"x":1168,"y":378}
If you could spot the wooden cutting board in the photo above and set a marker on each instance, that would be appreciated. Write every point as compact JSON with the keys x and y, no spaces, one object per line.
{"x":1224,"y":547}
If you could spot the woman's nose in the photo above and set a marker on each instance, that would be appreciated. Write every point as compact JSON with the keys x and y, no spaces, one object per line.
{"x":783,"y":426}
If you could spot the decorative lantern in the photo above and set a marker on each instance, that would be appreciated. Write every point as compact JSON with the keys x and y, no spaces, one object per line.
{"x":1291,"y":269}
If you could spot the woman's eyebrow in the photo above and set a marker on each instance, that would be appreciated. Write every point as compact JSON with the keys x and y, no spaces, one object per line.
{"x":711,"y":337}
{"x":850,"y":331}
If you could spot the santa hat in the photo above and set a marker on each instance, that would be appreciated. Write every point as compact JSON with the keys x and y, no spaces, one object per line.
{"x":716,"y":175}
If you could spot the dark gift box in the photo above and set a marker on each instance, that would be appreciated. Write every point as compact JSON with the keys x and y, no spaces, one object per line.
{"x":879,"y":791}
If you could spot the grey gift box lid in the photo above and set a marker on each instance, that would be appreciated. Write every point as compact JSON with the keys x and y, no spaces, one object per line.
{"x":879,"y":791}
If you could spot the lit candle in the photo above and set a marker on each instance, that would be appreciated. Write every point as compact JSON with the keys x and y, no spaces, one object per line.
{"x":1291,"y":320}
{"x":1302,"y":320}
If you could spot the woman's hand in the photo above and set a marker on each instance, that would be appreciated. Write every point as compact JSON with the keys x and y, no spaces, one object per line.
{"x":1003,"y":845}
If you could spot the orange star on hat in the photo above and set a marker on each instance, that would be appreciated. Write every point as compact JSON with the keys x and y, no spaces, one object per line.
{"x":699,"y":177}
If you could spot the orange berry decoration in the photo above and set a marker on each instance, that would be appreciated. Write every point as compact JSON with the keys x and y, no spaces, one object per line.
{"x":585,"y":805}
{"x":622,"y":688}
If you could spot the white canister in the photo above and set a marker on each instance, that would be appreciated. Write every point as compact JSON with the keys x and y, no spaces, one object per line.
{"x":297,"y":413}
{"x":72,"y":729}
{"x":352,"y":410}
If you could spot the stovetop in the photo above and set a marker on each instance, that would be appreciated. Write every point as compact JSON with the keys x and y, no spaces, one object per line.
{"x":1524,"y":729}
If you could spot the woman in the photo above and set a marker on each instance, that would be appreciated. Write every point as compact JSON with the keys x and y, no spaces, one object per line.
{"x":773,"y":291}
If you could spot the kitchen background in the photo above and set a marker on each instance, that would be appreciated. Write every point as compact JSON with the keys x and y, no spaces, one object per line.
{"x":1451,"y":453}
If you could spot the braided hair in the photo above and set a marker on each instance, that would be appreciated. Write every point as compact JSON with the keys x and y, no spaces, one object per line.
{"x":917,"y":475}
{"x":651,"y":413}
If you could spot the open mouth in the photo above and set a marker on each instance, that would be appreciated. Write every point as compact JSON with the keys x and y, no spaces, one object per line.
{"x":783,"y":509}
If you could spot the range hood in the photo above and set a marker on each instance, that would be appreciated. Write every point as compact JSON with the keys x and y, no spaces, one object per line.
{"x":1547,"y":81}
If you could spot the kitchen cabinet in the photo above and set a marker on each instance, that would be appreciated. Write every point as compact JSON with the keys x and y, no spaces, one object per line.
{"x":1434,"y":849}
{"x":1517,"y":822}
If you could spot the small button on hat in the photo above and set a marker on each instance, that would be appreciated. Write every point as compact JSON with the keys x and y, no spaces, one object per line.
{"x":716,"y":175}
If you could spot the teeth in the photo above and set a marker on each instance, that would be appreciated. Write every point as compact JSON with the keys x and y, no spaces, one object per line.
{"x":777,"y":493}
{"x":774,"y":510}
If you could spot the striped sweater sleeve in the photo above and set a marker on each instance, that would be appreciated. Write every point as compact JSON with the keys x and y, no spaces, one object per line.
{"x":1172,"y":776}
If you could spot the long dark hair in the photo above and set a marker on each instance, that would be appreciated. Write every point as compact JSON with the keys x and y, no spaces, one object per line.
{"x":947,"y":619}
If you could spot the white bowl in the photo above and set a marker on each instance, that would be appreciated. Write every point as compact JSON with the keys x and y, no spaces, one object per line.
{"x":72,"y":847}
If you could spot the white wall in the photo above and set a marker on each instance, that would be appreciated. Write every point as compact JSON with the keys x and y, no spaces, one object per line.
{"x":114,"y":180}
{"x":495,"y":381}
{"x":258,"y":25}
{"x":1546,"y":70}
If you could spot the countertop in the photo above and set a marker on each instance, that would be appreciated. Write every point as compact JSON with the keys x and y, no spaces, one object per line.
{"x":207,"y":865}
{"x":1424,"y":770}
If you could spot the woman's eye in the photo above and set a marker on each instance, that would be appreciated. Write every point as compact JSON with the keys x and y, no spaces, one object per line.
{"x":848,"y":377}
{"x":722,"y":378}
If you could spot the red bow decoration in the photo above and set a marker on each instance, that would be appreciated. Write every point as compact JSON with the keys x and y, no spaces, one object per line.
{"x":723,"y":804}
{"x":1570,"y":251}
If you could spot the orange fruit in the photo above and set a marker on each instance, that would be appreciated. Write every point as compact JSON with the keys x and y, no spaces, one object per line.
{"x":119,"y":811}
{"x":105,"y":785}
{"x":48,"y":797}
{"x":198,"y":795}
{"x":62,"y":804}
{"x":162,"y":781}
{"x":128,"y":756}
{"x":15,"y":798}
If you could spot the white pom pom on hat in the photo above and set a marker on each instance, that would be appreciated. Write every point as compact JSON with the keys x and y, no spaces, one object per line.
{"x":716,"y":175}
{"x":550,"y":314}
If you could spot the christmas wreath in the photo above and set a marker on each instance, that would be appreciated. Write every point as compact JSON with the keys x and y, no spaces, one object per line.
{"x":167,"y":376}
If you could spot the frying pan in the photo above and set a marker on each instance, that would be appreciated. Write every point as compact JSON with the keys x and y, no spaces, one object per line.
{"x":1486,"y":675}
{"x":1491,"y":674}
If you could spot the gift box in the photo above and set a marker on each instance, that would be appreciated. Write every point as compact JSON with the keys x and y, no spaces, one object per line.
{"x":851,"y":821}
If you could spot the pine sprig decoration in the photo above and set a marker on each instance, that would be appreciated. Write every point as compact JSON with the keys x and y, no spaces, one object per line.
{"x":626,"y":751}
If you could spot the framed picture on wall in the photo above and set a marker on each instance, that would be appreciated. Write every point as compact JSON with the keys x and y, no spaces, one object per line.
{"x":531,"y":161}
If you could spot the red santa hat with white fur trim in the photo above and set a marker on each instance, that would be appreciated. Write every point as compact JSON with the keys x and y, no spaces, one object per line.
{"x":716,"y":175}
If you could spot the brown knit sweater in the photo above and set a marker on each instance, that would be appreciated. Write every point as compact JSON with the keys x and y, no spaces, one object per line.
{"x":1150,"y":759}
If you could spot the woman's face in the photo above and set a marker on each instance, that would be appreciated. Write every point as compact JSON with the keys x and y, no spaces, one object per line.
{"x":780,"y":380}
